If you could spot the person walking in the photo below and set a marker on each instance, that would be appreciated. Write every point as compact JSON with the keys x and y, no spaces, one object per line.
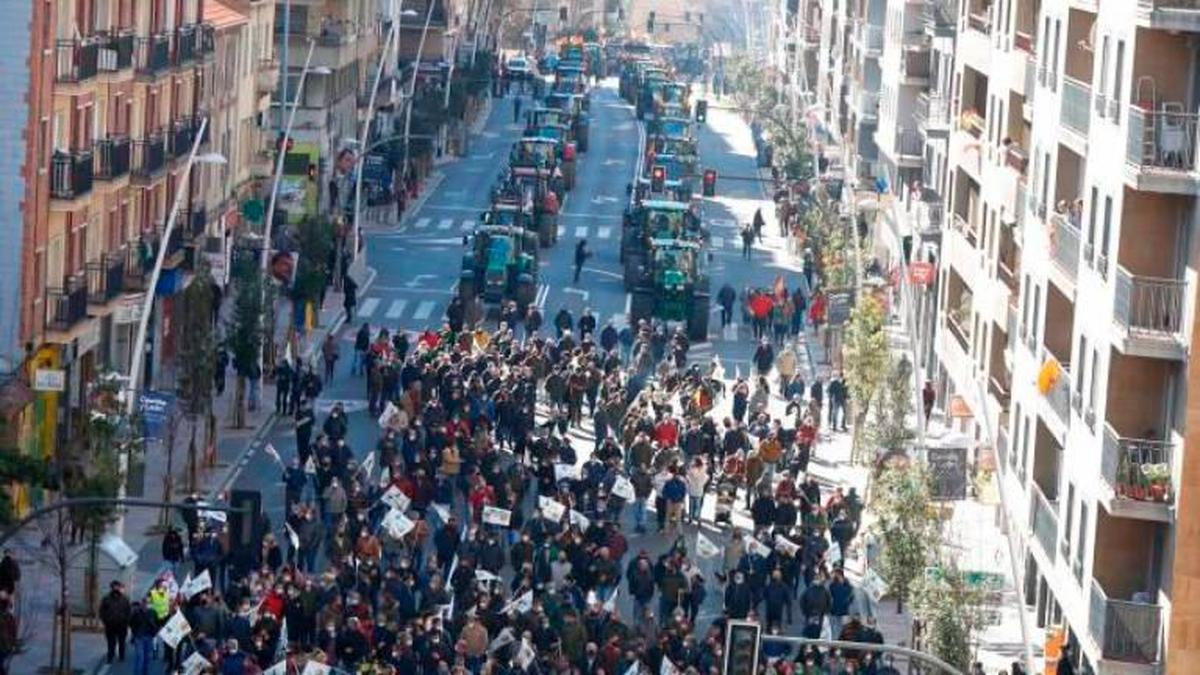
{"x":725,"y":298}
{"x":143,"y":626}
{"x":349,"y":297}
{"x":838,"y":394}
{"x":581,"y":256}
{"x":115,"y":613}
{"x":330,"y":351}
{"x":362,"y":342}
{"x":759,"y":222}
{"x":747,"y":242}
{"x":516,"y":109}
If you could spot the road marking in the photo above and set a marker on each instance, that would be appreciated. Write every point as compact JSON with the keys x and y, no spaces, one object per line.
{"x":421,"y":223}
{"x":540,"y":299}
{"x":562,"y":229}
{"x":396,"y":309}
{"x":730,"y":332}
{"x":468,"y":224}
{"x":423,"y":310}
{"x":717,"y":242}
{"x":446,"y":224}
{"x":604,"y":233}
{"x":368,"y":307}
{"x":581,"y":232}
{"x":722,"y":222}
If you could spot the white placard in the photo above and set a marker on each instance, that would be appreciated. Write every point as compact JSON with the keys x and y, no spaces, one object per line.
{"x":368,"y":465}
{"x":580,"y":520}
{"x":277,"y":669}
{"x":118,"y":550}
{"x":785,"y":545}
{"x":485,"y":576}
{"x":525,"y":655}
{"x":389,"y":411}
{"x":611,"y":603}
{"x":192,"y":586}
{"x":292,"y":536}
{"x":873,"y":585}
{"x":552,"y":509}
{"x":49,"y":379}
{"x":522,"y":604}
{"x":496,"y":516}
{"x":219,"y":516}
{"x":395,"y":498}
{"x":174,"y":630}
{"x":314,"y":668}
{"x":623,"y":488}
{"x":705,"y":548}
{"x":668,"y":668}
{"x":502,"y":640}
{"x":310,"y":466}
{"x":397,"y":524}
{"x":634,"y":668}
{"x":753,"y":545}
{"x":443,"y":512}
{"x":195,"y":664}
{"x":566,"y":472}
{"x":834,"y":555}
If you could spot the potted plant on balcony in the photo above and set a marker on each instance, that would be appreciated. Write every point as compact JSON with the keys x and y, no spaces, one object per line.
{"x":1158,"y":481}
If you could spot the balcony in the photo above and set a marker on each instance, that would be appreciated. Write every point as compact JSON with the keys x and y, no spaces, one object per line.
{"x":71,"y":174}
{"x":1016,"y":158}
{"x":105,"y":277}
{"x":1150,"y":312}
{"x":932,"y":113}
{"x":910,"y":146}
{"x":138,"y":261}
{"x":1064,"y":246}
{"x":979,"y":22}
{"x":867,"y":105}
{"x":66,"y":306}
{"x":1125,"y":631}
{"x":870,"y":39}
{"x":207,"y":42}
{"x":336,"y":32}
{"x":185,"y":45}
{"x":914,"y":68}
{"x":973,"y":123}
{"x":966,"y":229}
{"x":183,"y":133}
{"x":152,"y":55}
{"x":1024,"y":41}
{"x":1076,"y":113}
{"x":116,"y":53}
{"x":1043,"y":520}
{"x":1161,"y":150}
{"x":112,"y":158}
{"x":1173,"y":15}
{"x":1139,"y":472}
{"x":266,"y":77}
{"x":940,"y":19}
{"x":76,"y":60}
{"x":149,"y":157}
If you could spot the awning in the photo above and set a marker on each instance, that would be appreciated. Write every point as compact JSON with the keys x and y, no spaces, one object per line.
{"x":959,"y":408}
{"x":222,"y":16}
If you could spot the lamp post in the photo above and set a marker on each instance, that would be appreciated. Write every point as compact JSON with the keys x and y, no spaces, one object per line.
{"x":139,"y":343}
{"x":412,"y":87}
{"x":393,"y":36}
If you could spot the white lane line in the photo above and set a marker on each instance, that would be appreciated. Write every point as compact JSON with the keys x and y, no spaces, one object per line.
{"x":562,"y":229}
{"x":423,"y":310}
{"x":446,"y":224}
{"x":604,"y":233}
{"x":581,"y":232}
{"x":421,"y":223}
{"x":717,"y":242}
{"x":368,"y":307}
{"x":468,"y":224}
{"x":396,"y":309}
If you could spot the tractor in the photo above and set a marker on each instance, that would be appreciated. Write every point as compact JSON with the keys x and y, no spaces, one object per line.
{"x":673,"y":285}
{"x":655,"y":219}
{"x":538,"y":152}
{"x":538,"y":190}
{"x":574,"y":106}
{"x":499,"y":265}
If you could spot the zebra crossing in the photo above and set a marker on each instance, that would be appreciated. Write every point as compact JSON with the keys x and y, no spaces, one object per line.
{"x":443,"y":224}
{"x":426,"y":224}
{"x":398,"y":309}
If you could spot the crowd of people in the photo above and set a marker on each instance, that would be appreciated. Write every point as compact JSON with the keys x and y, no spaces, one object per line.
{"x":485,"y":531}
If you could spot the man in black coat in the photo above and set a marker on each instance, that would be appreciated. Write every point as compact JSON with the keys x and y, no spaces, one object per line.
{"x":115,"y":612}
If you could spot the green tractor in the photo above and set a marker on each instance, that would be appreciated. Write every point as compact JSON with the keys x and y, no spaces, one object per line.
{"x":539,"y":191}
{"x":499,"y":265}
{"x":543,"y":153}
{"x":576,"y":109}
{"x":655,"y":220}
{"x":673,"y":285}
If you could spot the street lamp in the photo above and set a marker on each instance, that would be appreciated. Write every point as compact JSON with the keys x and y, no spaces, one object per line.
{"x":393,"y":36}
{"x":412,"y":86}
{"x":139,"y":343}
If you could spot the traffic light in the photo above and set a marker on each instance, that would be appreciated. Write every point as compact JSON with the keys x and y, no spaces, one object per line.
{"x":650,"y":23}
{"x":312,"y":171}
{"x":284,"y":142}
{"x":710,"y":183}
{"x":701,"y":111}
{"x":562,"y":14}
{"x":658,"y":179}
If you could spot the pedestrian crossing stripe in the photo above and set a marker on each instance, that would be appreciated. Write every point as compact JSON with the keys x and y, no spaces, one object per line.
{"x":581,"y":232}
{"x":604,"y":233}
{"x":396,"y":309}
{"x":446,"y":223}
{"x":468,"y":224}
{"x":424,"y":310}
{"x":722,"y":222}
{"x":562,"y":229}
{"x":717,"y":242}
{"x":421,"y":223}
{"x":368,"y":307}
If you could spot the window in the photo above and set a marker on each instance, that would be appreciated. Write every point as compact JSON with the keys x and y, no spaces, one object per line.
{"x":1103,"y":74}
{"x":1082,"y":538}
{"x":1117,"y":79}
{"x":1067,"y":534}
{"x":1092,"y":386}
{"x":1089,"y":250}
{"x":1083,"y":344}
{"x":1054,"y":61}
{"x":1037,"y":310}
{"x":1102,"y":261}
{"x":1025,"y":307}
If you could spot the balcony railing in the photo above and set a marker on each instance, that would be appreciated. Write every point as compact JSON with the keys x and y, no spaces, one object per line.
{"x":116,"y":53}
{"x":973,"y":123}
{"x":932,"y":112}
{"x":183,"y":132}
{"x":149,"y":156}
{"x":979,"y":22}
{"x":71,"y":174}
{"x":139,"y":261}
{"x":1043,"y":519}
{"x":966,"y":229}
{"x":1161,"y":139}
{"x":1023,"y":41}
{"x":868,"y":104}
{"x":1138,"y":468}
{"x":1170,"y":5}
{"x":152,"y":54}
{"x":207,"y":34}
{"x":336,"y":32}
{"x":1076,"y":105}
{"x":112,"y":157}
{"x":105,"y":277}
{"x":66,"y":306}
{"x":1126,"y":631}
{"x":1016,"y":158}
{"x":909,"y":143}
{"x":870,"y":37}
{"x":77,"y":60}
{"x":1064,"y":244}
{"x":1149,"y":305}
{"x":960,"y":334}
{"x":185,"y":45}
{"x":1059,"y":395}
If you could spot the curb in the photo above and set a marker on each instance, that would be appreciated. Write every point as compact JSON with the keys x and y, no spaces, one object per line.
{"x":432,"y":182}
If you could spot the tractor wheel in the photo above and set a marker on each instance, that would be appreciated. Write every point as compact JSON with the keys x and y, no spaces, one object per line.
{"x":466,"y":285}
{"x":546,"y":231}
{"x":526,"y":290}
{"x":581,"y":140}
{"x":641,"y":306}
{"x":698,"y":321}
{"x":633,"y":270}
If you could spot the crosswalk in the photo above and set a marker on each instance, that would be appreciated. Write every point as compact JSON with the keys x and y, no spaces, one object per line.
{"x":425,"y":223}
{"x":395,"y":310}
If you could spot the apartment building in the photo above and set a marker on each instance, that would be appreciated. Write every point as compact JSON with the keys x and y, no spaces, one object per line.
{"x":1067,"y":287}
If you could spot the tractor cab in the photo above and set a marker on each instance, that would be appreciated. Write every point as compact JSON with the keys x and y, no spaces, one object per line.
{"x":672,"y":126}
{"x":500,"y":264}
{"x":672,"y":97}
{"x":574,"y":106}
{"x":534,"y":152}
{"x":671,"y":283}
{"x":541,"y":189}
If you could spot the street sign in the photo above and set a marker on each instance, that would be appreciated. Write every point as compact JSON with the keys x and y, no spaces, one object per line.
{"x":742,"y":639}
{"x":948,"y":469}
{"x":839,"y":303}
{"x":156,"y":408}
{"x":49,"y":379}
{"x":921,"y":273}
{"x":130,"y":309}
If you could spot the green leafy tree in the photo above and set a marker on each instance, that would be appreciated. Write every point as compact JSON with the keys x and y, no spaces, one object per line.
{"x":244,"y":335}
{"x":906,"y":527}
{"x":891,"y":430}
{"x":758,"y":97}
{"x":314,"y":241}
{"x":28,"y":470}
{"x":951,"y":612}
{"x":198,"y":354}
{"x":865,"y":358}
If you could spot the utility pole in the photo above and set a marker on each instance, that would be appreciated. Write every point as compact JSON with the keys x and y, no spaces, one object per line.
{"x":412,"y":86}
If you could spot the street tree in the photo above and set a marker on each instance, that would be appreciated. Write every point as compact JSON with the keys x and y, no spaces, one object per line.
{"x":905,"y":525}
{"x":866,"y":358}
{"x":950,"y":611}
{"x":892,"y":427}
{"x":314,"y":243}
{"x":244,"y":334}
{"x":198,"y":354}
